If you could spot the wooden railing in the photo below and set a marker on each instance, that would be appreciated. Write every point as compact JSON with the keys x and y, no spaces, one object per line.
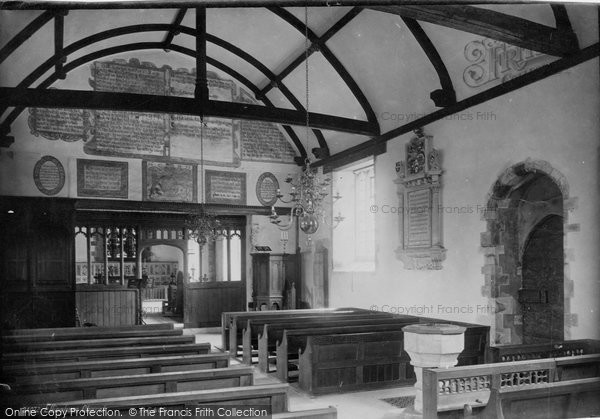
{"x":155,"y":293}
{"x":507,"y":353}
{"x":447,"y":390}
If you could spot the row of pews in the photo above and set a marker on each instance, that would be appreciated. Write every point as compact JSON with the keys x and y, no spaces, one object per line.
{"x":334,"y":350}
{"x":348,"y":349}
{"x":123,"y":368}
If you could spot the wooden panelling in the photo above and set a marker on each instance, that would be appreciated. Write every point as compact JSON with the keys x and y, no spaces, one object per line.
{"x":205,"y":302}
{"x":107,"y":306}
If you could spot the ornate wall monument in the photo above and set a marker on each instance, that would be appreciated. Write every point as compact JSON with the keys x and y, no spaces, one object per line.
{"x":420,"y":205}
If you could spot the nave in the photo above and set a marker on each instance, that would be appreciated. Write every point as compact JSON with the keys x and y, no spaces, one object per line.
{"x":330,"y":370}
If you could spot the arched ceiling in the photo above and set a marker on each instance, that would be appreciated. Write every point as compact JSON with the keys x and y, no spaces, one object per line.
{"x":375,"y":69}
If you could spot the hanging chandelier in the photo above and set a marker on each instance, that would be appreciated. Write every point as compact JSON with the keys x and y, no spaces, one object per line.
{"x":308,"y":190}
{"x":202,"y":226}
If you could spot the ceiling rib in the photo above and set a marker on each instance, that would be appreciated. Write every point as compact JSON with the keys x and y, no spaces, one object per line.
{"x":174,"y":29}
{"x":490,"y":24}
{"x":331,"y":58}
{"x":140,"y":46}
{"x":141,"y":28}
{"x":25,"y":34}
{"x":561,"y":17}
{"x":266,"y":72}
{"x":319,"y":41}
{"x":445,"y":96}
{"x":511,"y":85}
{"x":59,"y":34}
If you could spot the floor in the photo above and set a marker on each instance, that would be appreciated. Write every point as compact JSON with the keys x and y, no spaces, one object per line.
{"x":357,"y":405}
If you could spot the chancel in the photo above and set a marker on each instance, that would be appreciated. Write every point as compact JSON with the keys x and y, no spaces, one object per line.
{"x":303,"y":209}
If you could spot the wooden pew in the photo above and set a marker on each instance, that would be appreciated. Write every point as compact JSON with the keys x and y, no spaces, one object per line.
{"x":83,"y":330}
{"x":35,"y":373}
{"x":458,"y":391}
{"x":254,"y":328}
{"x":238,"y":323}
{"x":570,"y":399}
{"x":350,"y":362}
{"x":272,"y":395}
{"x":92,"y":334}
{"x":106,"y":353}
{"x":227,"y":317}
{"x":271,"y":334}
{"x":507,"y":353}
{"x":476,"y":337}
{"x":128,"y":385}
{"x":230,"y":318}
{"x":97,"y":343}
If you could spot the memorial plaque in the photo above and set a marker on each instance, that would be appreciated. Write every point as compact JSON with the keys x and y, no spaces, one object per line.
{"x":419,"y":218}
{"x":49,"y":175}
{"x":170,"y":182}
{"x":59,"y":124}
{"x":102,"y":178}
{"x":219,"y":136}
{"x":128,"y":77}
{"x":266,"y":189}
{"x":163,"y":137}
{"x":263,"y":141}
{"x":225,"y":187}
{"x":420,"y":201}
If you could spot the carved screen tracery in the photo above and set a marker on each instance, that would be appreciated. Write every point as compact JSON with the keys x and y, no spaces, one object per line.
{"x":420,"y":209}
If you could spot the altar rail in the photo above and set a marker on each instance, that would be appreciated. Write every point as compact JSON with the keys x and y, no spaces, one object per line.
{"x":158,"y":292}
{"x":448,"y":392}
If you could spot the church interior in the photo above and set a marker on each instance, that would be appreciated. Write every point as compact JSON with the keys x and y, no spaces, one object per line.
{"x":304,"y":209}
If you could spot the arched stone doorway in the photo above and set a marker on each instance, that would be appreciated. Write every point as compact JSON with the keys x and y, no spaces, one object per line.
{"x":525,"y":269}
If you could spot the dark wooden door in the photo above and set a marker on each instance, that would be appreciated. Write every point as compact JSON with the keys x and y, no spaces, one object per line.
{"x":542,"y":294}
{"x":37,"y":269}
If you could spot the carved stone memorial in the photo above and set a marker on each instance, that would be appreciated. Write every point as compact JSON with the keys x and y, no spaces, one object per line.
{"x":419,"y":192}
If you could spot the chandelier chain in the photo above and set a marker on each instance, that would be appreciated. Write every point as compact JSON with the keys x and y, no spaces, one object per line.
{"x":306,"y":52}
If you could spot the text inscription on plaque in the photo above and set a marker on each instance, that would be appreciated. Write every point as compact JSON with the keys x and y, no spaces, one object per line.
{"x":49,"y":175}
{"x":266,"y":189}
{"x":102,"y":178}
{"x":419,"y":218}
{"x":225,"y":187}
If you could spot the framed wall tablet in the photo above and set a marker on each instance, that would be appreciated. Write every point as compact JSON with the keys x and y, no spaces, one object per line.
{"x":49,"y":175}
{"x":173,"y":182}
{"x":420,"y":195}
{"x":225,"y":187}
{"x":266,"y":189}
{"x":102,"y":178}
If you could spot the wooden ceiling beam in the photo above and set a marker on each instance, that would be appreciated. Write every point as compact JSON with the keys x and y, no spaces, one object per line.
{"x":25,"y":34}
{"x":445,"y":96}
{"x":555,"y":67}
{"x":80,"y":99}
{"x":59,"y":35}
{"x":332,"y":59}
{"x":301,"y":57}
{"x":171,"y":4}
{"x":490,"y":24}
{"x":174,"y":31}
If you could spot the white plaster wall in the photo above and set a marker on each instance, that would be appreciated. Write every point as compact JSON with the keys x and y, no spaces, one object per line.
{"x":17,"y":162}
{"x":554,"y":120}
